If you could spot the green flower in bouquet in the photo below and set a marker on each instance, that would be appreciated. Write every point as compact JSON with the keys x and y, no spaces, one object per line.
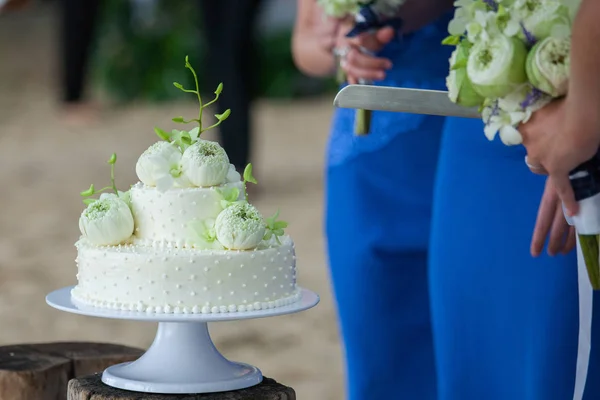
{"x":543,"y":18}
{"x":548,"y":64}
{"x":460,"y":88}
{"x":497,"y":67}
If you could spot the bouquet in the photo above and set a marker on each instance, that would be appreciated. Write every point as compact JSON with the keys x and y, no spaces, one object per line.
{"x":369,"y":15}
{"x":512,"y":58}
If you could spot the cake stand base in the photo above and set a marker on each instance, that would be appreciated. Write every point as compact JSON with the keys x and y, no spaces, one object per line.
{"x":182,"y":359}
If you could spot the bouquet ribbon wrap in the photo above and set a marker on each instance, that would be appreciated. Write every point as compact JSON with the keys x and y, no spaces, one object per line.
{"x":367,"y":20}
{"x":585,"y":181}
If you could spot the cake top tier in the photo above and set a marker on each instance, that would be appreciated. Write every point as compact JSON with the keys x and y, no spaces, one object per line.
{"x":189,"y":195}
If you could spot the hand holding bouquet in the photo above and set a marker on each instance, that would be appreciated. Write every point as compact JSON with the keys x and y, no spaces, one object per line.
{"x":512,"y":58}
{"x":369,"y":17}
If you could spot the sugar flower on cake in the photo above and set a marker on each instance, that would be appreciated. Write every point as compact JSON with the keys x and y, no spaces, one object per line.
{"x":160,"y":166}
{"x":205,"y":163}
{"x":240,"y":227}
{"x":107,"y":221}
{"x":233,"y":175}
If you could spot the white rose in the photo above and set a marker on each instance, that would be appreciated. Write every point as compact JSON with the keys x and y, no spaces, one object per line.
{"x":240,"y":227}
{"x":205,"y":163}
{"x":233,"y":175}
{"x":160,"y":166}
{"x":107,"y":221}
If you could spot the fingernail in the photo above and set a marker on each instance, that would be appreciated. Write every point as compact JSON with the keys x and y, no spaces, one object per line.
{"x":380,"y":75}
{"x":389,"y":65}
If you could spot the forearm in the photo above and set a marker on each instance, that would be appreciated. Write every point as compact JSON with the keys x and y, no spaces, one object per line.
{"x":310,"y":58}
{"x":583,"y":100}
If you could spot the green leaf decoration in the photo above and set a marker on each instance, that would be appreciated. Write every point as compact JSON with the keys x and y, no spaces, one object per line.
{"x":178,"y":120}
{"x":248,"y":174}
{"x":178,"y":85}
{"x":273,"y":227}
{"x":194,"y":134}
{"x":228,"y":196}
{"x":89,"y":192}
{"x":219,"y":89}
{"x":204,"y":231}
{"x":162,"y":134}
{"x":92,"y":190}
{"x":87,"y":202}
{"x":224,"y":116}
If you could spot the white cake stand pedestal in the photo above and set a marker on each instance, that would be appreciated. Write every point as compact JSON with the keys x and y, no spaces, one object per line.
{"x":182,"y":358}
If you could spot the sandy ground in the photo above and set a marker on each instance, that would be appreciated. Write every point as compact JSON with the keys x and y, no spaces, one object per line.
{"x":44,"y":164}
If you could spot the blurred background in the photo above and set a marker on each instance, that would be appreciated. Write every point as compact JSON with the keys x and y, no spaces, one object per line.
{"x":77,"y":85}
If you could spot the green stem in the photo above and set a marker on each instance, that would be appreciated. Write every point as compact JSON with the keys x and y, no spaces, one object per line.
{"x":362,"y":122}
{"x":112,"y":178}
{"x":591,"y":252}
{"x":210,"y":127}
{"x":198,"y":94}
{"x":211,"y":102}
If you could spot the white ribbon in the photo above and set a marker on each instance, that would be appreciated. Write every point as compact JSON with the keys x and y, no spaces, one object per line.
{"x":586,"y":294}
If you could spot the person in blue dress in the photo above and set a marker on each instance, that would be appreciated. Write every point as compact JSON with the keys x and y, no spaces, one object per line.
{"x":379,"y":191}
{"x":506,"y":325}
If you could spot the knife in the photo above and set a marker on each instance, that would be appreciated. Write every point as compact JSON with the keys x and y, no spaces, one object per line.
{"x":414,"y":101}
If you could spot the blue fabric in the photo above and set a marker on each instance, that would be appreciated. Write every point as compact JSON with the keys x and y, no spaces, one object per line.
{"x":379,"y":198}
{"x":505,"y":324}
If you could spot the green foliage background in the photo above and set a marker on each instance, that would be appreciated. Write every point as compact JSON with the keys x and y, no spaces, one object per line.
{"x":134,"y":59}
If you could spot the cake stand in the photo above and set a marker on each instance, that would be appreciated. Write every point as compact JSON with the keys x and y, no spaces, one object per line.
{"x":182,"y":359}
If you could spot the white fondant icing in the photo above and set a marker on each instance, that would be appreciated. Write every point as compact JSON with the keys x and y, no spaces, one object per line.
{"x":165,"y":284}
{"x":158,"y":217}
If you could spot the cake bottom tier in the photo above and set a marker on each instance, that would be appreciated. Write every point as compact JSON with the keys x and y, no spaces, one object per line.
{"x":181,"y":280}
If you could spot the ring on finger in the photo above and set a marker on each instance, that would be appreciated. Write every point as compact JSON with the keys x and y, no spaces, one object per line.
{"x":535,"y":168}
{"x":341,"y":52}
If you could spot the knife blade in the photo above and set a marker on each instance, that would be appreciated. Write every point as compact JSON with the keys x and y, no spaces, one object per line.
{"x":414,"y":101}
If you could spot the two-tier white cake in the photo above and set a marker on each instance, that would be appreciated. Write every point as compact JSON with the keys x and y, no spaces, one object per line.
{"x":185,"y":239}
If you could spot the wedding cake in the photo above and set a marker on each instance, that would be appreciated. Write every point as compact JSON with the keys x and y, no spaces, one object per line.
{"x":185,"y":239}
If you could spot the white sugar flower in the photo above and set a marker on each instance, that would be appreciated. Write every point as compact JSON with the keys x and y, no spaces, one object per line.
{"x":205,"y":163}
{"x":483,"y":27}
{"x":497,"y":68}
{"x":160,"y":166}
{"x":240,"y":227}
{"x":107,"y":221}
{"x":339,"y":8}
{"x":548,"y":65}
{"x":460,"y":88}
{"x":233,"y":175}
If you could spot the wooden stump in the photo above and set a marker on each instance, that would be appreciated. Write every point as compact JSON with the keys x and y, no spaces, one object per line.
{"x":92,"y":388}
{"x":42,"y":371}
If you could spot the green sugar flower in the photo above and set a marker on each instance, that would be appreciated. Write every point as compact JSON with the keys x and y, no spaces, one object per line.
{"x":107,"y":221}
{"x":205,"y":163}
{"x":240,"y":227}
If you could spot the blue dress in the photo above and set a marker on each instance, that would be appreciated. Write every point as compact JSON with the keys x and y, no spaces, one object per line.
{"x":505,"y":324}
{"x":378,"y":212}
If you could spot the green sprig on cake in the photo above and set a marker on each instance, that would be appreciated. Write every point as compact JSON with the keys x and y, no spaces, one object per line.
{"x":183,"y":160}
